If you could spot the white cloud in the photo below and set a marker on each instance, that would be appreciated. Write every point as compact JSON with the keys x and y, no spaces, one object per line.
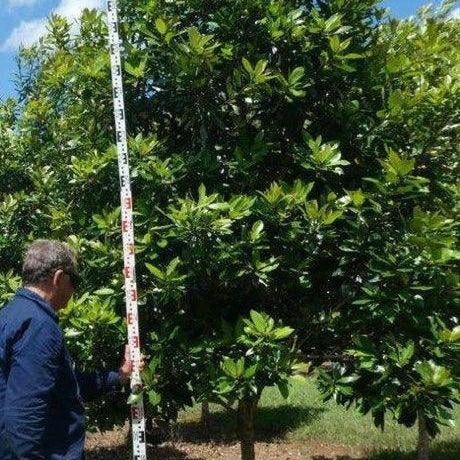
{"x":73,"y":8}
{"x":19,"y":3}
{"x":455,"y":14}
{"x":28,"y":32}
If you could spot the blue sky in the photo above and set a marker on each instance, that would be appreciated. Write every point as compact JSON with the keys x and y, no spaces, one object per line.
{"x":22,"y":21}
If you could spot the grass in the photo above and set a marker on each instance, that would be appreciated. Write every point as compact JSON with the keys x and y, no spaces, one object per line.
{"x":303,"y":417}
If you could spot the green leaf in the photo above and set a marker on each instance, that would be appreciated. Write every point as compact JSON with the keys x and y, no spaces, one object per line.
{"x":296,"y":75}
{"x":455,"y":335}
{"x":362,"y":302}
{"x":425,"y":370}
{"x":230,"y":368}
{"x":282,"y":332}
{"x":332,"y":217}
{"x":357,"y":197}
{"x":297,"y":92}
{"x":171,"y":268}
{"x":240,"y":367}
{"x":441,"y":376}
{"x":258,"y":320}
{"x":104,"y":291}
{"x":250,"y":371}
{"x":397,"y":63}
{"x":406,"y":353}
{"x":161,"y":26}
{"x":136,"y":70}
{"x":345,"y":389}
{"x":247,"y":66}
{"x":349,"y":379}
{"x":154,"y":398}
{"x":256,"y":230}
{"x":155,"y":271}
{"x":395,"y":100}
{"x":399,"y":165}
{"x":332,"y":23}
{"x":260,"y":67}
{"x":154,"y":364}
{"x":134,"y":398}
{"x":202,"y":192}
{"x":334,"y":43}
{"x":353,"y":56}
{"x":147,"y":375}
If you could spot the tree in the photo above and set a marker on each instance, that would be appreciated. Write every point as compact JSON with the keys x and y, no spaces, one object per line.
{"x":234,"y":367}
{"x":288,"y":156}
{"x":401,"y":255}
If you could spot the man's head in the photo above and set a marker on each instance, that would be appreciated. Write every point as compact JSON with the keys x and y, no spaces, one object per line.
{"x":50,"y":268}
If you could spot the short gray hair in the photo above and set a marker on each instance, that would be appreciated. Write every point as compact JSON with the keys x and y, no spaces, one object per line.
{"x":43,"y":258}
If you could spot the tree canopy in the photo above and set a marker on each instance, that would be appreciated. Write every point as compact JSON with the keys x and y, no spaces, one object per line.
{"x":293,"y":157}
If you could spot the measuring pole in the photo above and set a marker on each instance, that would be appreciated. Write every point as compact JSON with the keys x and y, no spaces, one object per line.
{"x":127,"y":228}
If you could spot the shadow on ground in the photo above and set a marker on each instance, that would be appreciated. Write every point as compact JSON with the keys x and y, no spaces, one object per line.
{"x":272,"y":423}
{"x":188,"y":440}
{"x":124,"y":452}
{"x":276,"y":422}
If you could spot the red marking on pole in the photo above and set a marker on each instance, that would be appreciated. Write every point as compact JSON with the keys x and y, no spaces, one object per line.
{"x":127,"y":271}
{"x":135,"y":341}
{"x":125,"y":226}
{"x":130,"y":318}
{"x":133,"y":295}
{"x":135,"y":412}
{"x":128,"y":202}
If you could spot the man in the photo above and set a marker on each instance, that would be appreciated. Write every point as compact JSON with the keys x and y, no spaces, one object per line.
{"x":41,"y":395}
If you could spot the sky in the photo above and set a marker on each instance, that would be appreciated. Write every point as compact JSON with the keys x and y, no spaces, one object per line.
{"x":23,"y":21}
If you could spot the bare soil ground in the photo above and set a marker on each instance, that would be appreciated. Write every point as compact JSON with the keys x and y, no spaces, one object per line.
{"x":114,"y":445}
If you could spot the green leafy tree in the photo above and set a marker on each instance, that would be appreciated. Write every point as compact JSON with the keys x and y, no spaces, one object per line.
{"x":234,"y":367}
{"x":293,"y":157}
{"x":399,"y":261}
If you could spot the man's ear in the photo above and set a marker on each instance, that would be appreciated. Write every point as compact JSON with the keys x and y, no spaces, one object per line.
{"x":57,"y":278}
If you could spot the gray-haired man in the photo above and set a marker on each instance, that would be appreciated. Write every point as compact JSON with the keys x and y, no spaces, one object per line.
{"x":41,"y":395}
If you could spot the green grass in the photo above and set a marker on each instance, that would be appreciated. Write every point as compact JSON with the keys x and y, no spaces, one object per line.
{"x":303,"y":417}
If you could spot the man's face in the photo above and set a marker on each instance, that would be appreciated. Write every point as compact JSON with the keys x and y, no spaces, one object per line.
{"x":63,"y":288}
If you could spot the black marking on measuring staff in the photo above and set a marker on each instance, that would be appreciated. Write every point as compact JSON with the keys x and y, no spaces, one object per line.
{"x":127,"y":229}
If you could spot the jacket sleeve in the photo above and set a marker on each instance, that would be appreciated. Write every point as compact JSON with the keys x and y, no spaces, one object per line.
{"x":35,"y":361}
{"x":95,"y":384}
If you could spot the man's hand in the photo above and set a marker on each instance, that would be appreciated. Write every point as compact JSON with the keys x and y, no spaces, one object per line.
{"x":127,"y":366}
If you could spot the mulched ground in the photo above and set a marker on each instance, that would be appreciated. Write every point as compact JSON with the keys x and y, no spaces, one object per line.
{"x":113,"y":445}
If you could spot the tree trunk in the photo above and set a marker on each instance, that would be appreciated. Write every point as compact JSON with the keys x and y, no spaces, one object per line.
{"x":246,"y":416}
{"x":423,"y":445}
{"x":205,"y":418}
{"x":205,"y":413}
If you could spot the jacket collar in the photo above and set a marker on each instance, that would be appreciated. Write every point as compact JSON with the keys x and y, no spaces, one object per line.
{"x":42,"y":303}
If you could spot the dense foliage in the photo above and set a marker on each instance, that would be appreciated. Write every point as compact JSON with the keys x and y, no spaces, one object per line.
{"x":233,"y":367}
{"x":293,"y":157}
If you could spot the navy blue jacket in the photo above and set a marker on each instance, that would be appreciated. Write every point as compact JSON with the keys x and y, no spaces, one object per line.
{"x":41,"y":395}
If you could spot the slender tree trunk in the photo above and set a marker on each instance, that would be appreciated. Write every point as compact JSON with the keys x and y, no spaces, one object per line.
{"x":148,"y":424}
{"x":423,"y":445}
{"x":205,"y":413}
{"x":246,"y":416}
{"x":205,"y":417}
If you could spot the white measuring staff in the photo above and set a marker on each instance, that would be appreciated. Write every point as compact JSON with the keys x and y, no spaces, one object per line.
{"x":127,"y":227}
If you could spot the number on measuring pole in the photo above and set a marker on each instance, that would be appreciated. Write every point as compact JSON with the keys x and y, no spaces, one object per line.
{"x":127,"y":230}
